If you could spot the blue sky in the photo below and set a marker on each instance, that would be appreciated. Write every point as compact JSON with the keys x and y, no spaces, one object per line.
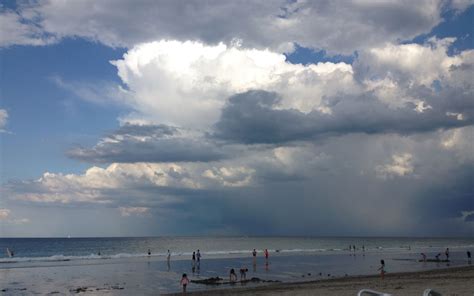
{"x":138,"y":125}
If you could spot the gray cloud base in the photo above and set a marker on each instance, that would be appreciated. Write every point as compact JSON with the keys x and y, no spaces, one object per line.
{"x":251,"y":117}
{"x":149,"y":143}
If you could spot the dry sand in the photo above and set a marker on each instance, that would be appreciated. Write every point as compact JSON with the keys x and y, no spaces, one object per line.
{"x":449,"y":282}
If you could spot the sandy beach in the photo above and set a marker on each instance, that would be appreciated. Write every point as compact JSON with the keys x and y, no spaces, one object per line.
{"x":452,"y":282}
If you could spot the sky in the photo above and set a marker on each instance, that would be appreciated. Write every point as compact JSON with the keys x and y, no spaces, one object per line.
{"x":304,"y":118}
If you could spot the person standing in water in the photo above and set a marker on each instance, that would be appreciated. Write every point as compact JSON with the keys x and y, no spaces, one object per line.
{"x":266,"y":254}
{"x":232,"y":276}
{"x":184,"y":282}
{"x":194,"y":259}
{"x":198,"y":257}
{"x":468,"y":257}
{"x":447,"y":254}
{"x":424,"y":257}
{"x":382,"y":269}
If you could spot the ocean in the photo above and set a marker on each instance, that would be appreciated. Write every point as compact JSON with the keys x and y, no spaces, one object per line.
{"x":62,"y":264}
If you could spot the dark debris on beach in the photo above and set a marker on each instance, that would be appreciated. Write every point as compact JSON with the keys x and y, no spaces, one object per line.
{"x":215,"y":281}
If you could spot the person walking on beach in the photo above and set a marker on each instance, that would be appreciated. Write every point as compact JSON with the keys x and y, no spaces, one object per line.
{"x":184,"y":282}
{"x":447,"y":254}
{"x":382,"y":269}
{"x":232,"y":276}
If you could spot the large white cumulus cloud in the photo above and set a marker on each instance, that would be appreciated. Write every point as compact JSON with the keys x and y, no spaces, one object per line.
{"x":186,"y":83}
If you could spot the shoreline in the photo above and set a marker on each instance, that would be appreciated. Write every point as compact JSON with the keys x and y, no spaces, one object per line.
{"x":455,"y":280}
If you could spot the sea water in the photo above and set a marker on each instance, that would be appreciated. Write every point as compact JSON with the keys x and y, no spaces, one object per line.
{"x":61,"y":264}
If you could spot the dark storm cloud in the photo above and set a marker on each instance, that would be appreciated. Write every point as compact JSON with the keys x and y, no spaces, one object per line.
{"x":149,"y":143}
{"x":250,"y":117}
{"x":449,"y":197}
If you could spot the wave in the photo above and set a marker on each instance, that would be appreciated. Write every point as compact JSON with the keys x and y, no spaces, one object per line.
{"x":209,"y":254}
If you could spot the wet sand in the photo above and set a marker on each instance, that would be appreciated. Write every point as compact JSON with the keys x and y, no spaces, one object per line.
{"x":457,"y":281}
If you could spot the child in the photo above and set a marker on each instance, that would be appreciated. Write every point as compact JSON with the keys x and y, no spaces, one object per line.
{"x":382,"y":269}
{"x":184,"y":282}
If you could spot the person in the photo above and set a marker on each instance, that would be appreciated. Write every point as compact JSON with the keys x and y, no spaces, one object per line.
{"x":243,"y":273}
{"x":266,"y":254}
{"x":98,"y":254}
{"x":447,"y":254}
{"x":232,"y":276}
{"x":194,"y":259}
{"x":424,"y":257}
{"x":363,"y":248}
{"x":168,"y":256}
{"x":184,"y":282}
{"x":468,"y":256}
{"x":198,"y":256}
{"x":149,"y":252}
{"x":254,"y":254}
{"x":382,"y":269}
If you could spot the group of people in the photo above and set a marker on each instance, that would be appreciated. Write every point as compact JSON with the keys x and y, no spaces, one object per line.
{"x":196,"y":261}
{"x":352,"y":248}
{"x":446,"y":253}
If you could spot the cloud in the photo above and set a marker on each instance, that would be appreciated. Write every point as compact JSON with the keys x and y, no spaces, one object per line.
{"x":150,"y":143}
{"x":6,"y":217}
{"x":227,"y":196}
{"x":164,"y":87}
{"x":121,"y":181}
{"x":401,"y":166}
{"x":4,"y":213}
{"x":337,"y":26}
{"x":101,"y":93}
{"x":186,"y":83}
{"x":19,"y":29}
{"x":253,"y":117}
{"x":3,"y":119}
{"x":128,"y":211}
{"x":233,"y":176}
